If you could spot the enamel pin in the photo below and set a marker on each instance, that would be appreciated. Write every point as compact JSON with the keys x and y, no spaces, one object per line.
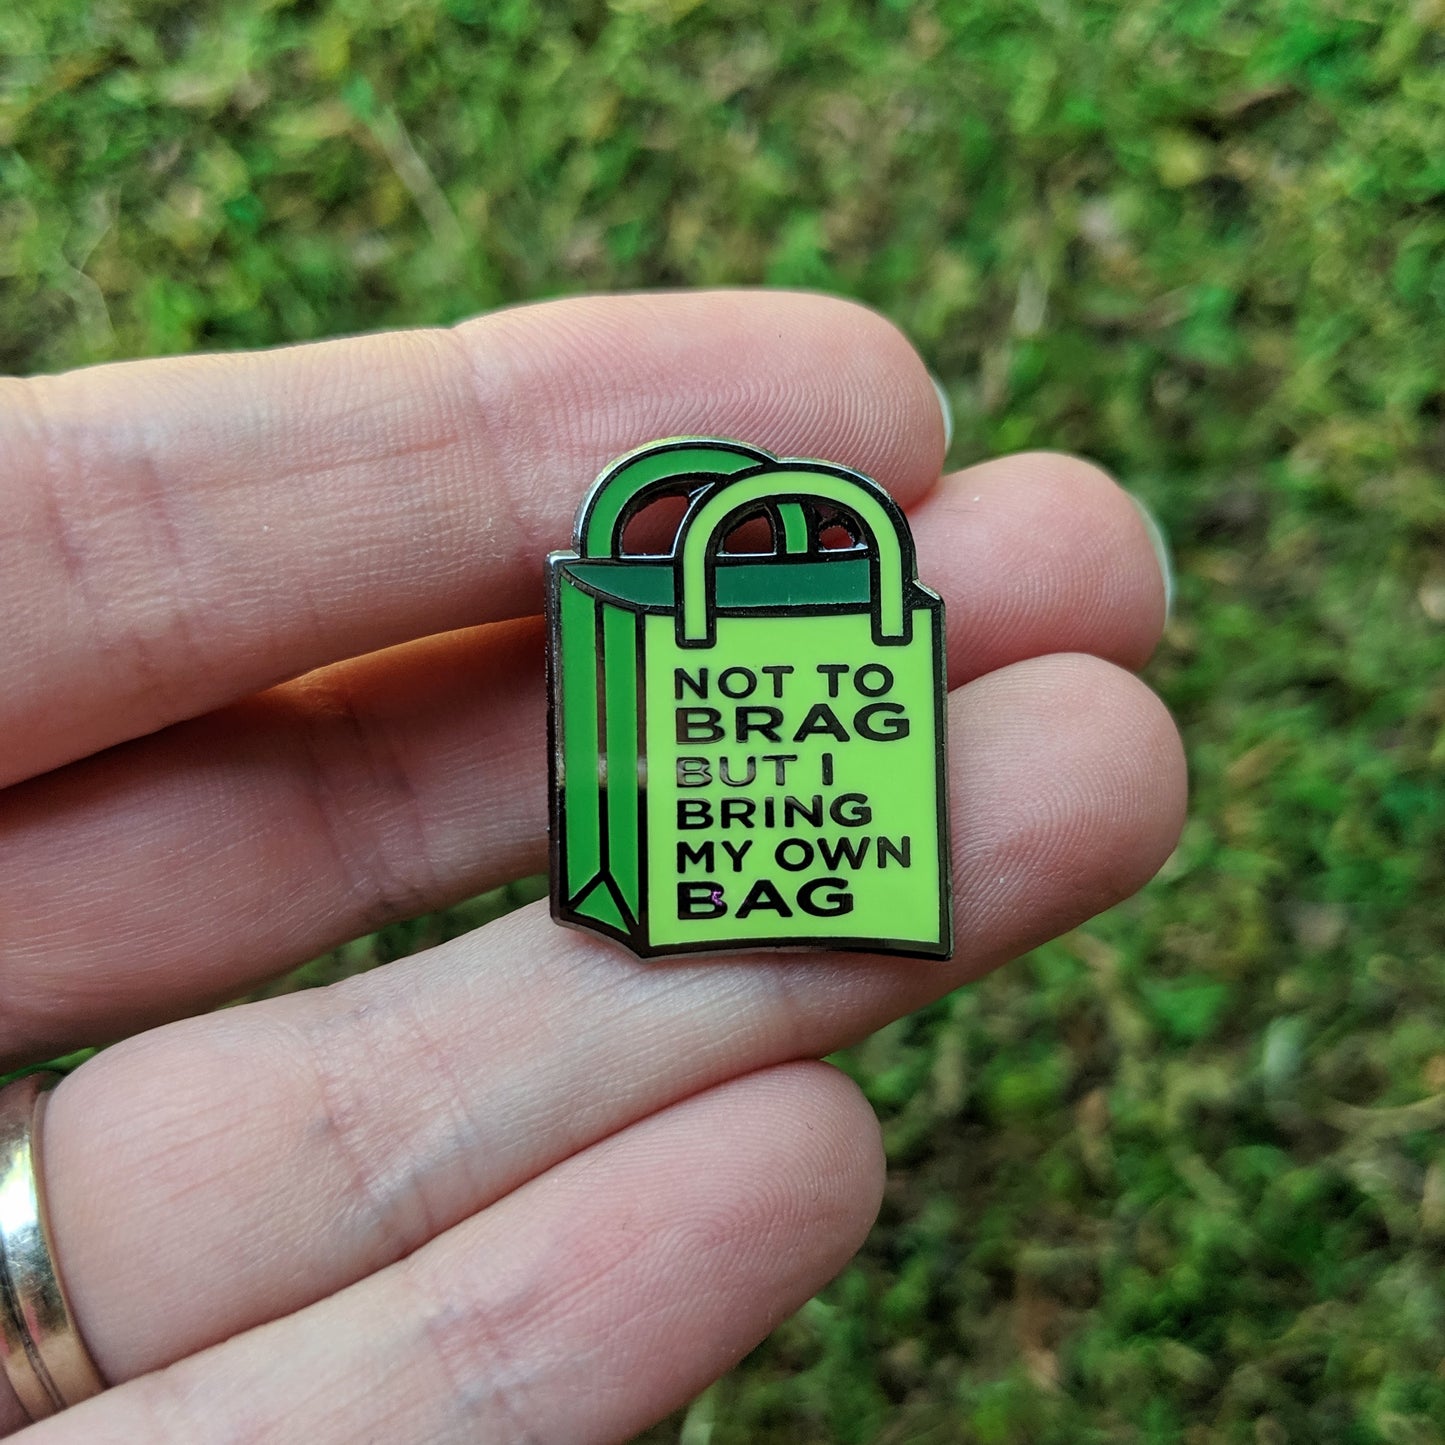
{"x":747,"y":747}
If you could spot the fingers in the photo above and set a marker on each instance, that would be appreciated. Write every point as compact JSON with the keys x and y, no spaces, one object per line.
{"x":187,"y":866}
{"x":295,"y":1146}
{"x":180,"y":533}
{"x":220,"y":852}
{"x":580,"y":1309}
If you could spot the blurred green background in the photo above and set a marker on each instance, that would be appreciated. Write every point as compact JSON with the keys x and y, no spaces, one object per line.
{"x":1179,"y":1176}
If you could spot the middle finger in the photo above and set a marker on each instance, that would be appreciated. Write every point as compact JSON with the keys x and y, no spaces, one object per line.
{"x":227,"y":849}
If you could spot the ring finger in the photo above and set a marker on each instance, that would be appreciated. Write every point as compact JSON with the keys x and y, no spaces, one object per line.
{"x":580,"y":1309}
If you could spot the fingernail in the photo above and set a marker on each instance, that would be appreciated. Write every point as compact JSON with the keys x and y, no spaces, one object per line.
{"x":1160,"y":544}
{"x":946,"y":407}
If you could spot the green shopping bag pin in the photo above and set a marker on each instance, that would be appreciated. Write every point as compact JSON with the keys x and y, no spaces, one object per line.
{"x":747,"y":748}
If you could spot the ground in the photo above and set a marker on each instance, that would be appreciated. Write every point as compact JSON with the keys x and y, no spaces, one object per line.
{"x":1180,"y":1175}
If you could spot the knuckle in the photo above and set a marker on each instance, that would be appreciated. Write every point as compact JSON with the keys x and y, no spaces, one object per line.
{"x":408,"y":1180}
{"x":364,"y":802}
{"x":470,"y":1344}
{"x":94,"y":495}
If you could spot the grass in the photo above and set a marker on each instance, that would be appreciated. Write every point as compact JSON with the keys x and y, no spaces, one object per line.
{"x":1180,"y":1175}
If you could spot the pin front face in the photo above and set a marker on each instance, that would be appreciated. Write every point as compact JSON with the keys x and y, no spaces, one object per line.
{"x":747,"y":749}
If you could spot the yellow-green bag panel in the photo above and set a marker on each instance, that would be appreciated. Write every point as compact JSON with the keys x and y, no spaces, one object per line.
{"x":856,"y":799}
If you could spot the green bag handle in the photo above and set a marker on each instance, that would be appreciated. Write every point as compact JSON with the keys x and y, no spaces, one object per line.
{"x":706,"y":524}
{"x":633,"y":480}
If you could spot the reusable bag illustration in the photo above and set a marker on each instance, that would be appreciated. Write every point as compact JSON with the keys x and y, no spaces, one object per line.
{"x":747,"y":749}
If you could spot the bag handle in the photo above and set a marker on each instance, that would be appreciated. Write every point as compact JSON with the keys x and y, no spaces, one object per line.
{"x":643,"y":475}
{"x":706,"y":524}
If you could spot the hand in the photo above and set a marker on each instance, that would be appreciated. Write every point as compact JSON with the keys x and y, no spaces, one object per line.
{"x":272,"y":676}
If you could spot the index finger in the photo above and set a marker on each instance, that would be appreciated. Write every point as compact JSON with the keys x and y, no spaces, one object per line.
{"x":179,"y":533}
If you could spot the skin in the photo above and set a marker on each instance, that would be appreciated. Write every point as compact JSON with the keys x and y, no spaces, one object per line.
{"x":275,"y":677}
